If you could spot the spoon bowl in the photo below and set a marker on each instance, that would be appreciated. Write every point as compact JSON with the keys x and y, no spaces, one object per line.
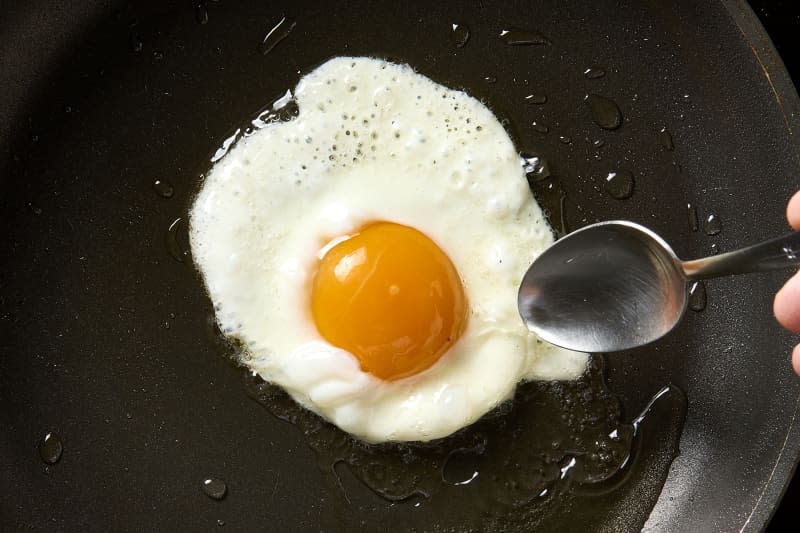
{"x":617,"y":285}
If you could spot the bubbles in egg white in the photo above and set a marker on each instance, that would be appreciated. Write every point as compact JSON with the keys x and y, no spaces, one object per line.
{"x":376,"y":141}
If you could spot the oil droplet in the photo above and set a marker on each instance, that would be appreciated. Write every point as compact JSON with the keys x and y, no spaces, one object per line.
{"x":564,"y":139}
{"x":714,"y":249}
{"x":283,"y":109}
{"x":415,"y":500}
{"x":619,"y":184}
{"x":201,"y":13}
{"x":35,"y":209}
{"x":51,"y":448}
{"x":697,"y":296}
{"x":568,"y":463}
{"x":460,"y":35}
{"x":157,"y":56}
{"x":691,"y":211}
{"x":594,"y":72}
{"x":176,"y":240}
{"x":164,"y":188}
{"x":135,"y":42}
{"x":538,"y":127}
{"x":598,"y":143}
{"x":279,"y":32}
{"x":216,"y":489}
{"x":220,"y":523}
{"x":665,"y":138}
{"x":461,"y":466}
{"x":518,"y":37}
{"x":491,"y":80}
{"x":536,"y":98}
{"x":535,"y":166}
{"x":791,"y":253}
{"x":226,"y":145}
{"x":562,"y":215}
{"x":286,"y":106}
{"x":605,"y":112}
{"x":712,"y":225}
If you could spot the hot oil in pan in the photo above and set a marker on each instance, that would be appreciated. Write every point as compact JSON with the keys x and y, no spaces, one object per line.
{"x":556,"y":456}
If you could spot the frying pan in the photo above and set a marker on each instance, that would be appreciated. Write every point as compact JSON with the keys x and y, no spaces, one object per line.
{"x":106,"y":336}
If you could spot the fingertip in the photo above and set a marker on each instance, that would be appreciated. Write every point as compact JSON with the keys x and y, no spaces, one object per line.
{"x":796,"y":359}
{"x":793,"y":211}
{"x":786,"y":305}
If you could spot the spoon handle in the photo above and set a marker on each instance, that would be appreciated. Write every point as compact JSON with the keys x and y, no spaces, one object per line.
{"x":782,"y":252}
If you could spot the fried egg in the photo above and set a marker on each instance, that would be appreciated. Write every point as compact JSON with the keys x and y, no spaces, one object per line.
{"x":366,"y":254}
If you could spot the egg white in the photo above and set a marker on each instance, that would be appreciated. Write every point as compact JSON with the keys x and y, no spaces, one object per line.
{"x":375,"y":141}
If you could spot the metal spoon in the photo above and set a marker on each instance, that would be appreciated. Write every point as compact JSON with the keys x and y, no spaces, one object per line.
{"x":617,"y":285}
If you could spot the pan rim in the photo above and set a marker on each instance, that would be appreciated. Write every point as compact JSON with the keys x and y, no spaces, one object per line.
{"x":786,"y":95}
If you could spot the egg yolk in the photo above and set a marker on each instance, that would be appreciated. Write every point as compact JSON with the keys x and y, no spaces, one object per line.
{"x":391,"y":297}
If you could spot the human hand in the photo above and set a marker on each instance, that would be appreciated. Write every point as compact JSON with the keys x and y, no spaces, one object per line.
{"x":787,"y":301}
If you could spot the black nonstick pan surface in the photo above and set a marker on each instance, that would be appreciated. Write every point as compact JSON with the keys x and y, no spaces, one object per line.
{"x":106,"y":340}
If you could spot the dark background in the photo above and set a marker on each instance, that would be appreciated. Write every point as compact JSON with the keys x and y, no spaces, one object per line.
{"x":781,"y":18}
